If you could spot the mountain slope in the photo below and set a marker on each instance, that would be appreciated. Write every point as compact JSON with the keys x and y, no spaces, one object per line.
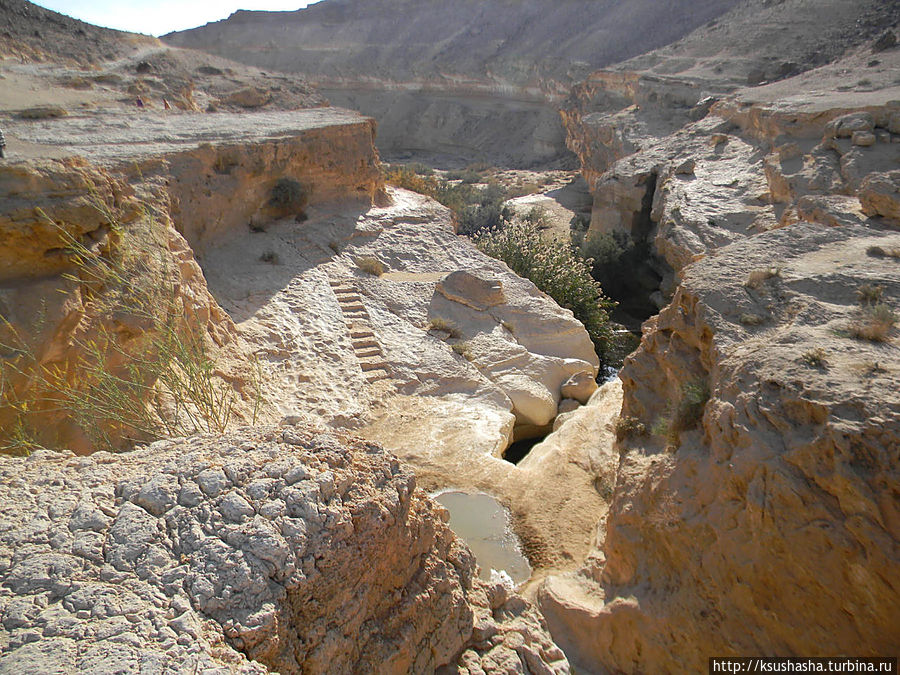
{"x":513,"y":43}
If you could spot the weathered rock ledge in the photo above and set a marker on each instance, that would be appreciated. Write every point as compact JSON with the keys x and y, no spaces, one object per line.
{"x":288,"y":548}
{"x":773,"y":526}
{"x":755,"y":501}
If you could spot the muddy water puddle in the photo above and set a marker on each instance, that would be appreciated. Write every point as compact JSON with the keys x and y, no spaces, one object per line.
{"x":484,"y":524}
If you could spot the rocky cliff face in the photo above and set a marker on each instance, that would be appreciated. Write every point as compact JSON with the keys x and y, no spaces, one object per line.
{"x":244,"y":553}
{"x":152,"y":210}
{"x":463,"y":79}
{"x":265,"y":226}
{"x":471,"y":46}
{"x":754,"y":506}
{"x":83,"y":66}
{"x":615,"y":112}
{"x":253,"y":550}
{"x":781,"y":506}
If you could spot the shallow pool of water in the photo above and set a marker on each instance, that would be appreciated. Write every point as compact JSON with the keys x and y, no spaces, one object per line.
{"x":484,"y":524}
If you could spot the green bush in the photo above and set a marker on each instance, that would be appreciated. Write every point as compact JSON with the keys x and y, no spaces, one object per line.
{"x":467,"y":176}
{"x":484,"y":210}
{"x":561,"y":273}
{"x":685,"y":414}
{"x":690,"y":406}
{"x":475,"y":208}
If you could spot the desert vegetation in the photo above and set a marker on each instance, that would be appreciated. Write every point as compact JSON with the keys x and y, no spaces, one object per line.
{"x":559,"y":269}
{"x":370,"y":265}
{"x":444,"y":326}
{"x":874,"y":323}
{"x":475,"y":207}
{"x":562,"y":273}
{"x":139,"y":371}
{"x":684,"y":413}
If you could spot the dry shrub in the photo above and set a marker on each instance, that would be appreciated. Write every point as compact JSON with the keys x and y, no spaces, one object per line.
{"x":751,"y":319}
{"x":628,"y":427}
{"x":883,"y":252}
{"x":875,"y":324}
{"x":121,"y":387}
{"x":370,"y":265}
{"x":814,"y":358}
{"x":464,"y":350}
{"x":444,"y":326}
{"x":869,"y":294}
{"x":758,"y":277}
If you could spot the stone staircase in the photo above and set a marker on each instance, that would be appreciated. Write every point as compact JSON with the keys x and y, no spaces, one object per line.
{"x":365,"y":346}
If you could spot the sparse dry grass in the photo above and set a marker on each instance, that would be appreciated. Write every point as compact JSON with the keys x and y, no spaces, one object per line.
{"x":751,"y":319}
{"x":628,"y":427}
{"x":758,"y":277}
{"x":869,"y":294}
{"x":464,"y":350}
{"x":444,"y":326}
{"x":875,"y":324}
{"x":815,"y":358}
{"x":883,"y":251}
{"x":120,"y":387}
{"x":370,"y":265}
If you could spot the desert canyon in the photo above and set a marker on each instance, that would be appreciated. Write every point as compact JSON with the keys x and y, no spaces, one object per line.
{"x":251,"y":385}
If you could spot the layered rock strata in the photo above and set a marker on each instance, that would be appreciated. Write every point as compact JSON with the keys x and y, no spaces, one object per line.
{"x":135,"y":194}
{"x":468,"y":81}
{"x":754,"y":508}
{"x":444,"y":357}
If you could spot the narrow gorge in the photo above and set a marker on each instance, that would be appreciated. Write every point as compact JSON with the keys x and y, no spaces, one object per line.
{"x":260,"y":403}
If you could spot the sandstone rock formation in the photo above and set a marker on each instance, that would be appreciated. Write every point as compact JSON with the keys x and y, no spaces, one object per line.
{"x":137,"y":193}
{"x":733,"y":492}
{"x":754,"y":501}
{"x":444,"y":358}
{"x":305,"y":333}
{"x":284,"y":549}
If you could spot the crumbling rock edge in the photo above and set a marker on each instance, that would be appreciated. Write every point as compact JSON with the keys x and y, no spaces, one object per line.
{"x":285,"y":548}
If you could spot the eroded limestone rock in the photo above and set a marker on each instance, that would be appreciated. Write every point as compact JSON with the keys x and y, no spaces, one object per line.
{"x":285,"y":549}
{"x":796,"y":449}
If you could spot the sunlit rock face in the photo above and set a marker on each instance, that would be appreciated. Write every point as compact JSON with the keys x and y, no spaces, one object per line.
{"x":462,"y":80}
{"x":284,"y":549}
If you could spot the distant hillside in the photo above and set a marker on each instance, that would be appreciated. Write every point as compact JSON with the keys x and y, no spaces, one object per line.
{"x":104,"y":65}
{"x":457,"y":43}
{"x":32,"y":33}
{"x":765,"y":40}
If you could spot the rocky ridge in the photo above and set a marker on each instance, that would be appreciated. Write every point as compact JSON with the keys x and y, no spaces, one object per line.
{"x":195,"y":192}
{"x":53,"y":65}
{"x":758,"y":434}
{"x":242,"y":553}
{"x":477,"y":47}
